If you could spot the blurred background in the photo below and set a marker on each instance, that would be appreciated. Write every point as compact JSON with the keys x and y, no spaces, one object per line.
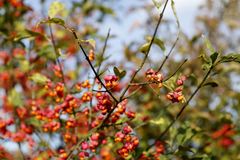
{"x":130,"y":22}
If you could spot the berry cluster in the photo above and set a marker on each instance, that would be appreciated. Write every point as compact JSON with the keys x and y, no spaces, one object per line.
{"x":55,"y":91}
{"x":155,"y":153}
{"x":127,"y":139}
{"x":90,"y":146}
{"x":111,"y":82}
{"x":177,"y":95}
{"x":155,"y":77}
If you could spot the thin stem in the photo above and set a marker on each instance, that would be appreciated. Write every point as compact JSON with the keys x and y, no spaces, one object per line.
{"x":98,"y":70}
{"x":132,"y":79}
{"x":140,"y":67}
{"x":91,"y":65}
{"x":183,"y":108}
{"x":133,"y":93}
{"x":174,"y":44}
{"x":20,"y":149}
{"x":168,"y":55}
{"x":104,"y":49}
{"x":147,"y":53}
{"x":56,"y":54}
{"x":146,"y":83}
{"x":179,"y":67}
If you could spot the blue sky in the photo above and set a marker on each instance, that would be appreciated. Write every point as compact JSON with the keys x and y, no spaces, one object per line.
{"x":186,"y":10}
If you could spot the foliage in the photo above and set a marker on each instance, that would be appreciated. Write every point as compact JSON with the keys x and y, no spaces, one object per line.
{"x":62,"y":98}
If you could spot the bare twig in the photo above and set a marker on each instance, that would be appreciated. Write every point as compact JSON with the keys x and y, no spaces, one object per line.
{"x":168,"y":55}
{"x":179,"y":67}
{"x":56,"y":54}
{"x":174,"y":44}
{"x":103,"y":51}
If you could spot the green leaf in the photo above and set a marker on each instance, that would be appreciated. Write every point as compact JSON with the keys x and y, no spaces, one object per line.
{"x":116,"y":71}
{"x":207,"y":62}
{"x":24,"y":65}
{"x":87,"y":7}
{"x":157,"y":41}
{"x":157,"y":3}
{"x":214,"y":57}
{"x":33,"y":121}
{"x":15,"y":98}
{"x":55,"y":21}
{"x":175,"y":14}
{"x":90,"y":43}
{"x":193,"y":79}
{"x":39,"y":78}
{"x":208,"y":44}
{"x":206,"y":66}
{"x":184,"y":149}
{"x":212,"y":84}
{"x":122,"y":120}
{"x":56,"y":8}
{"x":27,"y":34}
{"x":160,"y":43}
{"x":205,"y":58}
{"x":144,"y":47}
{"x":47,"y":51}
{"x":119,"y":73}
{"x":105,"y":10}
{"x":35,"y":34}
{"x":122,"y":74}
{"x":232,"y":57}
{"x":158,"y":121}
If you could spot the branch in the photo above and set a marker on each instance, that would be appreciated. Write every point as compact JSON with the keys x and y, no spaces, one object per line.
{"x":147,"y":53}
{"x":182,"y":109}
{"x":174,"y":44}
{"x":179,"y":67}
{"x":169,"y":53}
{"x":140,"y":67}
{"x":91,"y":65}
{"x":20,"y":150}
{"x":146,"y":83}
{"x":104,"y":49}
{"x":56,"y":54}
{"x":98,"y":70}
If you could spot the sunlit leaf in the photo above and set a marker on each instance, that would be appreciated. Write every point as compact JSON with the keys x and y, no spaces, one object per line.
{"x":55,"y":21}
{"x":175,"y":13}
{"x":56,"y":8}
{"x":208,"y":44}
{"x":15,"y":98}
{"x":144,"y":47}
{"x":158,"y":121}
{"x":105,"y":10}
{"x":24,"y":65}
{"x":232,"y":57}
{"x":39,"y":78}
{"x":157,"y":41}
{"x":157,"y":3}
{"x":90,"y":43}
